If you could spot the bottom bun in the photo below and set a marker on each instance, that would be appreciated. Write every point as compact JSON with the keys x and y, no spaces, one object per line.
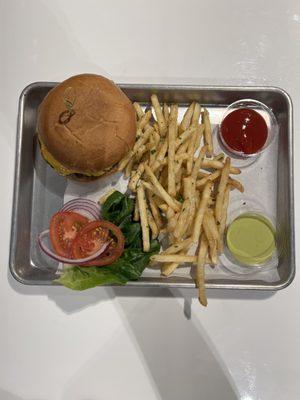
{"x":85,"y":178}
{"x":82,"y":178}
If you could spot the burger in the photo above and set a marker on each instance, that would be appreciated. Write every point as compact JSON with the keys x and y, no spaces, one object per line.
{"x":85,"y":126}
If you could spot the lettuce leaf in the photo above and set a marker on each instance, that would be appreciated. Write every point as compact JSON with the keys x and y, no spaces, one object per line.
{"x":118,"y":209}
{"x":128,"y":267}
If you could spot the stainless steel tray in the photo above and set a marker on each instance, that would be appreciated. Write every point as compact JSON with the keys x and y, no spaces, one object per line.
{"x":39,"y":191}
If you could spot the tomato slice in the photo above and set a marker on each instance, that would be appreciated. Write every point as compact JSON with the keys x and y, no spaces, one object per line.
{"x":93,"y":236}
{"x":64,"y":227}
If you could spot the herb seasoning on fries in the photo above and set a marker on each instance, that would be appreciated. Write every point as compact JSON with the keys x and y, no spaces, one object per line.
{"x":181,"y":187}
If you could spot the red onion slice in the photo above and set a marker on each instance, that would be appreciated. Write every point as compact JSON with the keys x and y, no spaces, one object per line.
{"x":83,"y":206}
{"x":78,"y":261}
{"x":82,"y":201}
{"x":85,"y":211}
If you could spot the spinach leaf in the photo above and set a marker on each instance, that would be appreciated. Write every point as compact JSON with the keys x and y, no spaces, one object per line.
{"x":117,"y":207}
{"x":133,"y":235}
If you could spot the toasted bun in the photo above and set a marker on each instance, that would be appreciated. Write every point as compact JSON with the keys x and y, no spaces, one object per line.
{"x":87,"y":124}
{"x":85,"y":178}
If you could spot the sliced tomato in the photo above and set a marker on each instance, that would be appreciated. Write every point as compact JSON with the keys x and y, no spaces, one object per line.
{"x":64,"y":227}
{"x":93,"y":236}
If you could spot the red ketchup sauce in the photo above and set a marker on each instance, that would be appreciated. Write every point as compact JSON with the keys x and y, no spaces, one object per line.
{"x":244,"y":130}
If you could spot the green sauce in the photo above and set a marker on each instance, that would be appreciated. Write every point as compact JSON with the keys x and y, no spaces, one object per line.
{"x":251,"y":239}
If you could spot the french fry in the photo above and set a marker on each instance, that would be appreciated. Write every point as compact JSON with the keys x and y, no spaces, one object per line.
{"x":199,"y":134}
{"x":156,"y":127}
{"x":214,"y":252}
{"x":143,"y":138}
{"x":172,"y":218}
{"x":152,"y":224}
{"x":198,"y":163}
{"x":178,"y":176}
{"x":155,"y":211}
{"x":141,"y":151}
{"x":200,"y":212}
{"x":185,"y":135}
{"x":166,"y":112}
{"x":200,"y":272}
{"x":136,"y":177}
{"x":180,"y":258}
{"x":143,"y":217}
{"x":190,"y":152}
{"x":163,"y":207}
{"x":203,"y":173}
{"x":219,"y":165}
{"x":189,"y":193}
{"x":159,"y":115}
{"x":236,"y":185}
{"x":221,"y":190}
{"x":138,"y":109}
{"x":212,"y":234}
{"x":181,"y":153}
{"x":145,"y":158}
{"x":191,"y":219}
{"x":157,"y":199}
{"x":136,"y":213}
{"x":192,"y":196}
{"x":192,"y":143}
{"x":162,"y":164}
{"x":152,"y":149}
{"x":156,"y":137}
{"x":181,"y":226}
{"x":144,"y":120}
{"x":178,"y":246}
{"x":210,"y":177}
{"x":208,"y":260}
{"x":186,"y":120}
{"x":150,"y":188}
{"x":167,"y":160}
{"x":207,"y":132}
{"x":160,"y":156}
{"x":155,"y":195}
{"x":162,"y":192}
{"x":223,"y":219}
{"x":163,"y":177}
{"x":171,"y":149}
{"x":122,"y":164}
{"x":179,"y":157}
{"x":128,"y":168}
{"x":187,"y":187}
{"x":219,"y":157}
{"x":212,"y":224}
{"x":196,"y":115}
{"x":168,"y":268}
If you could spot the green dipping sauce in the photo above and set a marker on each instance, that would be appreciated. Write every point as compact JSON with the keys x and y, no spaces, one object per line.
{"x":251,"y":239}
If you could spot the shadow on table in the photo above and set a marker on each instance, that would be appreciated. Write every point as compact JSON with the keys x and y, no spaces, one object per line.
{"x":175,"y":354}
{"x":173,"y":348}
{"x":72,"y":301}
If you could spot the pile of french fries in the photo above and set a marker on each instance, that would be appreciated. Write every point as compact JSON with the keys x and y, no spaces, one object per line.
{"x":182,"y":188}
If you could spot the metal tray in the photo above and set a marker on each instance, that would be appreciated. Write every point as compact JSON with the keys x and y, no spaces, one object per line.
{"x":39,"y":191}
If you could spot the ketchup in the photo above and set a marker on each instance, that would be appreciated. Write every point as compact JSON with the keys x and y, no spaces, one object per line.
{"x":244,"y":130}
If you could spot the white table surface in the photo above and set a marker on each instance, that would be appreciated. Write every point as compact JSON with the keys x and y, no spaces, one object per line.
{"x":143,"y":344}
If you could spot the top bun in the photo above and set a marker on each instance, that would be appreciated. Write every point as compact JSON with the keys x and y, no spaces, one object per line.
{"x":87,"y":124}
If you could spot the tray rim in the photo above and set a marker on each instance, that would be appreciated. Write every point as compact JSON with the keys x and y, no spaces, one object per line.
{"x":154,"y":87}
